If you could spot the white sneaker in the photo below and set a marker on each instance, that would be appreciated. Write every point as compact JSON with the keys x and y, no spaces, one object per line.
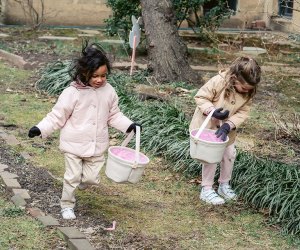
{"x":82,"y":186}
{"x":226,"y":192}
{"x":210,"y":196}
{"x":68,"y":213}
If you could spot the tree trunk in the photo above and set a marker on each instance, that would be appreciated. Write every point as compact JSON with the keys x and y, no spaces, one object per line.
{"x":167,"y":52}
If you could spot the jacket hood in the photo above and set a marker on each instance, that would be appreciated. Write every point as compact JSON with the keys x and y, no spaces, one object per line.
{"x":79,"y":85}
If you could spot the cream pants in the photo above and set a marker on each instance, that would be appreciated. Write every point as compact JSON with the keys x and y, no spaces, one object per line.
{"x":79,"y":170}
{"x":226,"y":166}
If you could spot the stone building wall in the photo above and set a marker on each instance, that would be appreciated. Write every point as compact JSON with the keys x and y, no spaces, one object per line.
{"x":93,"y":13}
{"x":59,"y":12}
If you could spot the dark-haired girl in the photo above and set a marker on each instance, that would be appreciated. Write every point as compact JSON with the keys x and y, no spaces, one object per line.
{"x":83,"y":113}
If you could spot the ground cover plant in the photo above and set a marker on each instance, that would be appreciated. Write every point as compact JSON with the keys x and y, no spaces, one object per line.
{"x":178,"y":219}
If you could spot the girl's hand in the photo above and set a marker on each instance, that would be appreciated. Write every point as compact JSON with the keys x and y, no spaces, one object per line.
{"x":220,"y":115}
{"x":133,"y":127}
{"x":34,"y":131}
{"x":223,"y":131}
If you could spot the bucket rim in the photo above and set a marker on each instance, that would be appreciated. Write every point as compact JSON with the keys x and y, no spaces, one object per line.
{"x":209,"y":142}
{"x":126,"y":161}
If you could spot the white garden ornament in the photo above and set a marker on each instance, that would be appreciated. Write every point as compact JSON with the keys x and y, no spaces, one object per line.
{"x":134,"y":38}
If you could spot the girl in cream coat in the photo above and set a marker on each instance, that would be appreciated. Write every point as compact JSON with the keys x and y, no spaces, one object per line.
{"x":83,"y":113}
{"x":230,"y":94}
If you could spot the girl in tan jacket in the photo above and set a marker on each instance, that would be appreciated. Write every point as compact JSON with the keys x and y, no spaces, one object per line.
{"x":230,"y":94}
{"x":83,"y":113}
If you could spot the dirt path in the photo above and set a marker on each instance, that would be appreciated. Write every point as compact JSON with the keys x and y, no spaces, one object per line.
{"x":45,"y":192}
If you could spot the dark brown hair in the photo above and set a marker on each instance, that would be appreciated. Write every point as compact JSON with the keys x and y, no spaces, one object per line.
{"x":93,"y":56}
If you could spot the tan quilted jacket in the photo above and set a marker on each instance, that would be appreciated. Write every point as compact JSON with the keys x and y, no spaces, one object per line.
{"x":212,"y":94}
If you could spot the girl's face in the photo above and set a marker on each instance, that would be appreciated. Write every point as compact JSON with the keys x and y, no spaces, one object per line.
{"x":242,"y":87}
{"x":98,"y":78}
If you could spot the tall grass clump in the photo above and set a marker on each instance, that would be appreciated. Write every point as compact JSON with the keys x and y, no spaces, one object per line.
{"x":264,"y":184}
{"x":55,"y":77}
{"x":165,"y":127}
{"x":270,"y":185}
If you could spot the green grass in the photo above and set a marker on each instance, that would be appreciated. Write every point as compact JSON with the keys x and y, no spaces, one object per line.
{"x":20,"y":231}
{"x":162,"y":210}
{"x":25,"y":114}
{"x":166,"y":209}
{"x":12,"y":78}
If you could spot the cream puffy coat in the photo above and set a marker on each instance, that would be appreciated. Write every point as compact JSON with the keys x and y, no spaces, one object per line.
{"x":212,"y":94}
{"x":83,"y":114}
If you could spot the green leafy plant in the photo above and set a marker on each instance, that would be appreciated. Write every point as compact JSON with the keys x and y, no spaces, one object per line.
{"x":270,"y":185}
{"x":55,"y":77}
{"x":12,"y":212}
{"x":120,"y":22}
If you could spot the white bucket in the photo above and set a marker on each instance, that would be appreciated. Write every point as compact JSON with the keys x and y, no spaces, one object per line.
{"x":126,"y":164}
{"x":206,"y":151}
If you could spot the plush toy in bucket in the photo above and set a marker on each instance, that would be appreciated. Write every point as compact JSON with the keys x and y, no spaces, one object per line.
{"x":205,"y":146}
{"x":126,"y":164}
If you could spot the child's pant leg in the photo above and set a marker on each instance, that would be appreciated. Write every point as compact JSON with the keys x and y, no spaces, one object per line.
{"x":226,"y":165}
{"x":72,"y":178}
{"x":208,"y":174}
{"x":91,"y":170}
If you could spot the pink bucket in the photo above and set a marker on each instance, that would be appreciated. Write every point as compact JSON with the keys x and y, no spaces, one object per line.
{"x":206,"y":135}
{"x":126,"y":164}
{"x":205,"y":146}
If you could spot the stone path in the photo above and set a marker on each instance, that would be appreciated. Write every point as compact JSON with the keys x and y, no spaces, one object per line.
{"x":75,"y":239}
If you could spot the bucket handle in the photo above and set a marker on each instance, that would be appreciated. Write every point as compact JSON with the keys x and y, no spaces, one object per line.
{"x":137,"y":143}
{"x":204,"y":124}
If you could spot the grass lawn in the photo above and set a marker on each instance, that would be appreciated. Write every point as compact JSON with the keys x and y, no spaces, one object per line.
{"x":163,"y":211}
{"x":20,"y":231}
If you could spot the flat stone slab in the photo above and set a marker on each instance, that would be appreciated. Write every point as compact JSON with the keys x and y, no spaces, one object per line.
{"x":4,"y":35}
{"x":15,"y":59}
{"x":35,"y":212}
{"x":71,"y":233}
{"x":65,"y":38}
{"x":254,"y":50}
{"x":18,"y":200}
{"x":80,"y":244}
{"x":90,"y":32}
{"x":11,"y":140}
{"x":113,"y":41}
{"x":85,"y":35}
{"x":127,"y":65}
{"x":8,"y":175}
{"x":48,"y":220}
{"x":196,"y":48}
{"x":11,"y":183}
{"x":22,"y":192}
{"x":3,"y":167}
{"x":205,"y":68}
{"x":25,"y":155}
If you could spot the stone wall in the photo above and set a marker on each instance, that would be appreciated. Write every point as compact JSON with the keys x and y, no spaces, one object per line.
{"x":59,"y":12}
{"x":93,"y":13}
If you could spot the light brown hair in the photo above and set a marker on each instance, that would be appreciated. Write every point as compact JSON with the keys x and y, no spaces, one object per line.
{"x":246,"y":70}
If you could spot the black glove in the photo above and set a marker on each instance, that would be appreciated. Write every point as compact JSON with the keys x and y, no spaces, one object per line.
{"x":223,"y":131}
{"x":34,"y":131}
{"x":220,"y":115}
{"x":133,"y":127}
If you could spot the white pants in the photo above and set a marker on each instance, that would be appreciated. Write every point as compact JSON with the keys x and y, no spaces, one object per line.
{"x":79,"y":170}
{"x":226,"y":166}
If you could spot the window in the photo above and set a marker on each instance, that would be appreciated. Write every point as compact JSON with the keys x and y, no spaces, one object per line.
{"x":285,"y":7}
{"x":230,"y":4}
